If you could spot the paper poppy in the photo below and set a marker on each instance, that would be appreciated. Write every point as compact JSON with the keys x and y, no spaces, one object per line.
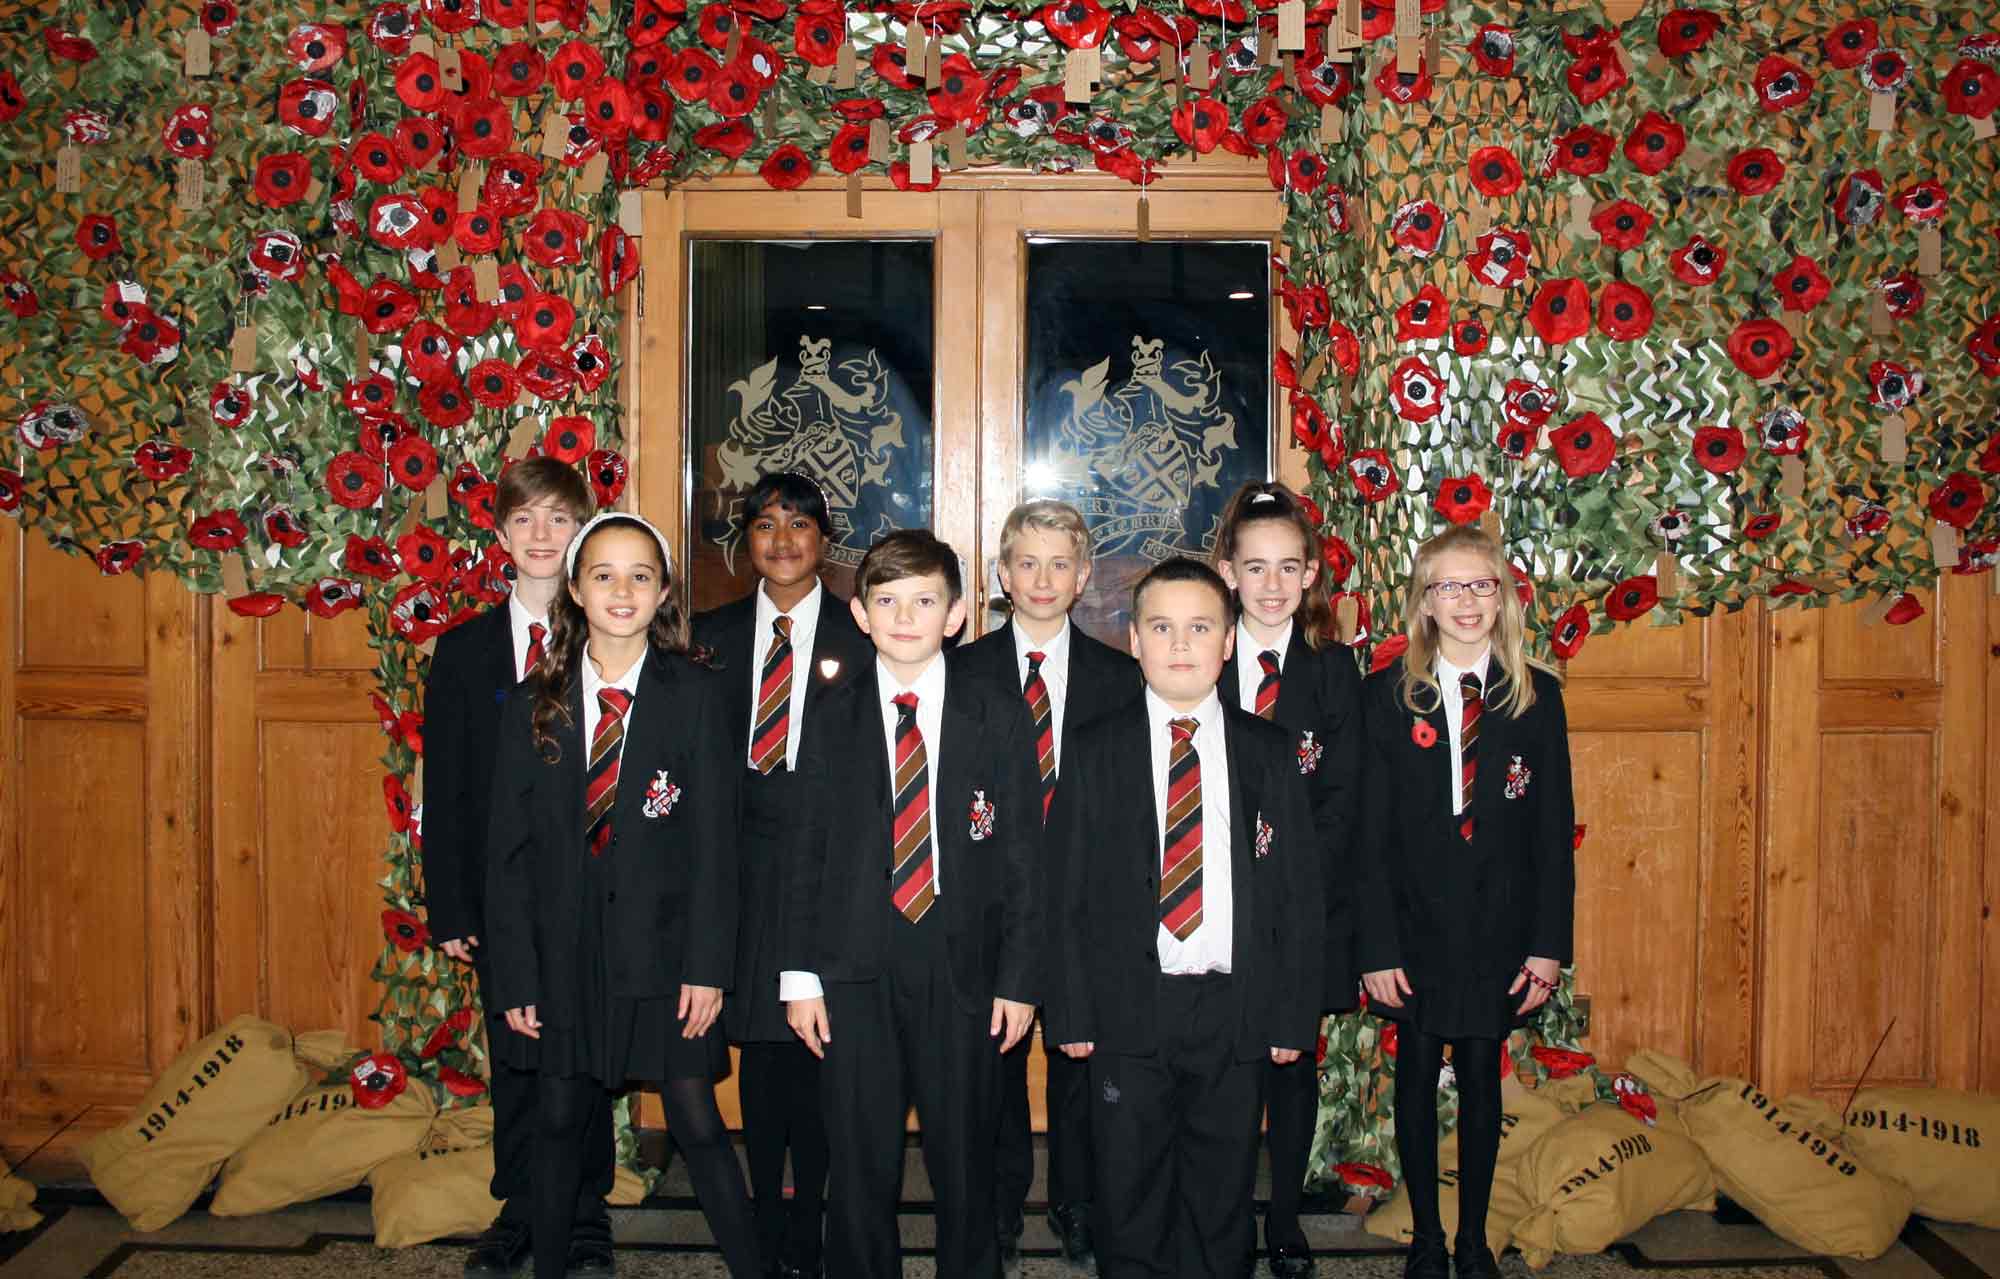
{"x":1885,"y":71}
{"x":419,"y":612}
{"x":388,"y":307}
{"x":1264,"y":123}
{"x":413,"y":462}
{"x":1958,"y":501}
{"x":569,"y":439}
{"x":379,"y":434}
{"x":424,"y":554}
{"x":190,"y":132}
{"x":690,"y":72}
{"x":960,"y":93}
{"x":1469,"y":335}
{"x":370,"y":397}
{"x":1893,"y":386}
{"x":1760,"y":525}
{"x":1802,"y":285}
{"x":1923,"y":202}
{"x":1584,"y":445}
{"x":1624,"y":311}
{"x":573,"y":68}
{"x":1782,"y":430}
{"x":1903,"y":294}
{"x":1872,"y":519}
{"x":19,"y":296}
{"x":1427,"y":315}
{"x":150,"y":338}
{"x":1327,"y":83}
{"x":1401,"y":88}
{"x":1566,"y":637}
{"x":1594,"y":74}
{"x":1417,"y":227}
{"x":1655,"y":143}
{"x":67,"y":45}
{"x":1583,"y":151}
{"x":1561,"y":311}
{"x":282,"y":527}
{"x":817,"y":37}
{"x":420,"y":141}
{"x":97,"y":236}
{"x":1621,"y":224}
{"x":369,"y":557}
{"x":10,"y":491}
{"x":1077,"y":24}
{"x":354,"y":480}
{"x":1628,"y":601}
{"x":546,"y":376}
{"x":444,"y":403}
{"x":1718,"y":449}
{"x":161,"y":460}
{"x":281,"y":180}
{"x":459,"y":1084}
{"x":1372,"y":474}
{"x":518,"y":70}
{"x":1200,"y":123}
{"x":1304,"y":170}
{"x":1984,"y":348}
{"x":1502,"y":258}
{"x":555,"y":237}
{"x":1860,"y":199}
{"x":114,"y":558}
{"x":1685,"y":31}
{"x":1907,"y":608}
{"x":1781,"y":83}
{"x":374,"y":157}
{"x":493,"y":384}
{"x":217,"y":531}
{"x":1697,"y":262}
{"x":218,"y":17}
{"x":1494,"y":172}
{"x":12,"y":100}
{"x":1306,"y":306}
{"x":786,"y":169}
{"x":257,"y":604}
{"x":1492,"y":49}
{"x":1527,"y":405}
{"x":1417,"y":390}
{"x":314,"y":47}
{"x":1425,"y":736}
{"x":1972,"y":88}
{"x":379,"y":1078}
{"x":1849,"y":43}
{"x":1308,"y":421}
{"x":1754,"y":171}
{"x":1462,"y":500}
{"x":1760,"y":347}
{"x":405,"y":932}
{"x":1344,"y":347}
{"x":605,"y":469}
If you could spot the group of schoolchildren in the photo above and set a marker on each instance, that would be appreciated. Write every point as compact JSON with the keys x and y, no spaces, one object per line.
{"x":815,"y":829}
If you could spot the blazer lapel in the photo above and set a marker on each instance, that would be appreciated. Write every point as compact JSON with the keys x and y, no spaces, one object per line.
{"x":499,"y":643}
{"x":1496,"y":740}
{"x":952,"y":783}
{"x":1243,"y":818}
{"x":573,"y":763}
{"x":648,"y":739}
{"x":831,"y":661}
{"x":1295,"y":683}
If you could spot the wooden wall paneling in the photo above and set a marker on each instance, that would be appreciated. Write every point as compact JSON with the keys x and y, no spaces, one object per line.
{"x":1792,"y":641}
{"x":1003,"y":279}
{"x":1988,"y":1078}
{"x":1731,"y":879}
{"x":1964,"y":915}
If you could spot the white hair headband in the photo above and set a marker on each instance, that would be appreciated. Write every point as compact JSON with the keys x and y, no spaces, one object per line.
{"x":590,"y":525}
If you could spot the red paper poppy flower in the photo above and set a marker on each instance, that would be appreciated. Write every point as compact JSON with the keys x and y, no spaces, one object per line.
{"x":1686,"y":31}
{"x":606,"y":471}
{"x":478,"y":230}
{"x":354,"y":480}
{"x":1462,"y":500}
{"x":485,"y":127}
{"x":1344,"y":347}
{"x":1893,"y":386}
{"x":569,"y":439}
{"x":1972,"y":88}
{"x":190,"y":132}
{"x":1595,"y":73}
{"x":1494,"y":172}
{"x":1761,"y":525}
{"x":1872,"y":519}
{"x":573,"y":68}
{"x":518,"y":70}
{"x":281,"y":180}
{"x":555,"y":237}
{"x":1802,"y":285}
{"x":690,"y":72}
{"x":419,"y":84}
{"x":1584,"y":445}
{"x":1502,"y":258}
{"x":230,"y":405}
{"x":1907,"y":608}
{"x":1200,"y":123}
{"x":817,"y":37}
{"x":420,"y":141}
{"x":1760,"y":347}
{"x":444,"y":403}
{"x":1781,"y":83}
{"x":1078,"y":24}
{"x":1418,"y":391}
{"x":1655,"y":143}
{"x":458,"y":1083}
{"x":1561,"y":311}
{"x":388,"y":307}
{"x":960,"y":93}
{"x":413,"y":463}
{"x":1492,"y":49}
{"x":733,"y":92}
{"x":1304,"y":170}
{"x":424,"y":554}
{"x":544,"y":322}
{"x":115,"y":558}
{"x":405,"y":932}
{"x":1566,"y":637}
{"x":19,"y":295}
{"x":379,"y":1079}
{"x":370,"y":398}
{"x":150,"y":338}
{"x":1427,"y":315}
{"x":97,"y":236}
{"x":1308,"y":421}
{"x":1628,"y":601}
{"x":1984,"y":348}
{"x":1621,"y":224}
{"x":1469,"y":335}
{"x":1264,"y":123}
{"x":1527,"y":405}
{"x":1417,"y":227}
{"x":379,"y":434}
{"x":1860,"y":199}
{"x":1583,"y":151}
{"x":1958,"y":501}
{"x":160,"y":460}
{"x":1885,"y":71}
{"x":282,"y":527}
{"x":1923,"y":202}
{"x":1847,"y":44}
{"x":1425,"y":736}
{"x":1755,"y":171}
{"x":314,"y":47}
{"x":787,"y":168}
{"x":731,"y":138}
{"x":1403,"y":89}
{"x":1374,"y":478}
{"x":217,"y":531}
{"x":1307,"y":306}
{"x":11,"y":484}
{"x":67,"y":45}
{"x":1718,"y":449}
{"x":1624,"y":311}
{"x":374,"y":157}
{"x":329,"y":597}
{"x":617,"y":260}
{"x":369,"y":557}
{"x":1698,"y":262}
{"x":1782,"y":430}
{"x":1327,"y":83}
{"x":1285,"y":370}
{"x":257,"y":604}
{"x":1902,"y":294}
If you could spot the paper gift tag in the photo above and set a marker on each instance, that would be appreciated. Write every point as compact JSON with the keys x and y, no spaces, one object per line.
{"x":1315,"y":370}
{"x":1880,"y":322}
{"x":854,"y":194}
{"x":1145,"y":227}
{"x":878,"y":141}
{"x":235,"y":577}
{"x":1944,"y":546}
{"x":1433,"y":52}
{"x":916,"y":49}
{"x":1666,"y":573}
{"x":1292,"y":25}
{"x":314,"y":190}
{"x":1198,"y":59}
{"x":243,"y":349}
{"x":1346,"y":618}
{"x":1332,"y":123}
{"x":1489,"y":524}
{"x":69,"y":170}
{"x":421,"y":45}
{"x":1877,"y":611}
{"x":1881,"y":113}
{"x":923,"y":168}
{"x":555,"y":132}
{"x":735,"y":44}
{"x":1930,"y":251}
{"x":448,"y":259}
{"x":1982,"y":127}
{"x":1076,"y":76}
{"x":190,"y":184}
{"x":1792,"y":476}
{"x":469,"y":184}
{"x":1347,"y":30}
{"x":845,"y":67}
{"x":485,"y":279}
{"x":451,"y":69}
{"x":197,"y":55}
{"x":819,"y":74}
{"x":526,"y":434}
{"x":934,"y":63}
{"x":1896,"y":439}
{"x":592,"y":179}
{"x":362,"y":355}
{"x":954,"y":147}
{"x":437,"y":498}
{"x":1794,"y":322}
{"x":771,"y":115}
{"x":1409,"y":30}
{"x":632,"y":213}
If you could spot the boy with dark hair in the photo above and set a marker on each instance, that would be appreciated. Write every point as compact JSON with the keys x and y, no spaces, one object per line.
{"x":781,"y":648}
{"x":1067,"y":679}
{"x":1186,"y":923}
{"x":912,"y":910}
{"x":539,"y":505}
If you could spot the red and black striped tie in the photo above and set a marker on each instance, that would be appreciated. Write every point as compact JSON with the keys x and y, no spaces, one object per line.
{"x":912,"y":882}
{"x":600,"y":787}
{"x":772,"y":732}
{"x":1036,"y":690}
{"x":1180,"y":858}
{"x":536,"y":634}
{"x":1267,"y":688}
{"x":1472,"y":705}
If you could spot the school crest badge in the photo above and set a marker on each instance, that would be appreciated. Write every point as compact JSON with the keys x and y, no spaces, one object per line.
{"x":662,"y":793}
{"x":1517,"y":779}
{"x":982,"y":815}
{"x":1262,"y":847}
{"x":1309,"y":754}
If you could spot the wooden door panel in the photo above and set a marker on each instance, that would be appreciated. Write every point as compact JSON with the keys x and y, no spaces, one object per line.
{"x":1655,"y":654}
{"x":1862,"y":652}
{"x":103,"y":619}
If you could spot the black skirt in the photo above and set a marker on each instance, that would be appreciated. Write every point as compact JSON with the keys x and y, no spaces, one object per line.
{"x":753,"y":1013}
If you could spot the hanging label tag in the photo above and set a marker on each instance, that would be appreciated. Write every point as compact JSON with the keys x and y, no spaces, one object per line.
{"x":416,"y":786}
{"x":362,"y":355}
{"x":437,"y":498}
{"x":243,"y":349}
{"x":197,"y":55}
{"x":1792,"y":476}
{"x":470,"y":183}
{"x":735,"y":44}
{"x":1292,"y":25}
{"x":845,"y":67}
{"x":235,"y":576}
{"x":592,"y":180}
{"x":1881,"y":113}
{"x":1880,"y":322}
{"x":1579,"y":229}
{"x":1409,"y":31}
{"x":1145,"y":218}
{"x":1076,"y":76}
{"x":1198,"y":59}
{"x":632,"y":213}
{"x":1434,"y":52}
{"x":1982,"y":127}
{"x":1896,"y":439}
{"x":923,"y":167}
{"x":1180,"y":93}
{"x":955,"y":148}
{"x":934,"y":64}
{"x":485,"y":279}
{"x":1346,"y":618}
{"x":1315,"y":370}
{"x":771,"y":119}
{"x":916,"y":49}
{"x":878,"y":141}
{"x":1877,"y":612}
{"x":527,"y":433}
{"x":190,"y":184}
{"x":448,"y":259}
{"x":854,"y":194}
{"x":1267,"y":49}
{"x":555,"y":133}
{"x":1666,"y":574}
{"x":1332,"y":123}
{"x":1944,"y":546}
{"x":1794,"y":322}
{"x":314,"y":190}
{"x":1489,"y":524}
{"x":451,"y":69}
{"x":69,"y":170}
{"x":819,"y":74}
{"x":1930,"y":251}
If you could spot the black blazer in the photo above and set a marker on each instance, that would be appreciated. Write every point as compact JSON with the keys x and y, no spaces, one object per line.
{"x":472,"y":672}
{"x":1104,"y":868}
{"x":1319,"y":703}
{"x":837,"y":912}
{"x":671,"y":915}
{"x":755,"y":1013}
{"x":1101,"y":678}
{"x":1429,"y":902}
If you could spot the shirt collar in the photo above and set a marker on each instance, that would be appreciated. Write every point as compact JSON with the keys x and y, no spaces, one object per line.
{"x":518,"y":613}
{"x":804,"y":614}
{"x":1054,"y":653}
{"x":1158,"y":712}
{"x":628,"y":682}
{"x":929,"y":687}
{"x":1448,"y":674}
{"x":1248,"y":645}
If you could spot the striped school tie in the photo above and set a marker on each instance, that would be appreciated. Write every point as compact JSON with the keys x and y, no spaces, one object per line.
{"x":1036,"y":690}
{"x":912,"y":882}
{"x":1180,"y":862}
{"x":1473,"y":705}
{"x":773,"y":729}
{"x":536,"y":634}
{"x":600,"y":786}
{"x":1267,"y":688}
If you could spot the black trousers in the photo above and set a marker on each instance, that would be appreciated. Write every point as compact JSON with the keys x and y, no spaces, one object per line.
{"x":1291,"y":1116}
{"x":1475,"y":1063}
{"x":1067,"y":1097}
{"x":513,"y":1093}
{"x":900,"y":1038}
{"x":778,"y":1086}
{"x":1176,"y":1143}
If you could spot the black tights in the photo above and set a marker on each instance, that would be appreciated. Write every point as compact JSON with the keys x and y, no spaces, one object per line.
{"x":1476,"y":1063}
{"x":778,"y":1087}
{"x":568,"y":1107}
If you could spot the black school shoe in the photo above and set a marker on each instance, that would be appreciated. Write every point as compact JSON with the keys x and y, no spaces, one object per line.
{"x":590,"y":1259}
{"x":1474,"y":1261}
{"x":1070,"y":1223}
{"x":500,"y":1253}
{"x":1289,"y":1262}
{"x":1427,"y":1258}
{"x":1010,"y":1257}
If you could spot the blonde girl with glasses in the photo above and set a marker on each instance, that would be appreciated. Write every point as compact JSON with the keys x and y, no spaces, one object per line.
{"x":1464,"y":869}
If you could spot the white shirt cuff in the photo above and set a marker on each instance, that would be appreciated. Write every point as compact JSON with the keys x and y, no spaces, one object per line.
{"x":796,"y":985}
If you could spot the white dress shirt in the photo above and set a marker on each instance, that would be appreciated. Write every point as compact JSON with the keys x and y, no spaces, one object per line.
{"x":518,"y":621}
{"x":805,"y":623}
{"x":1209,"y":949}
{"x":593,"y":683}
{"x":929,"y":689}
{"x":1454,"y":708}
{"x":1250,"y":671}
{"x":1055,"y":674}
